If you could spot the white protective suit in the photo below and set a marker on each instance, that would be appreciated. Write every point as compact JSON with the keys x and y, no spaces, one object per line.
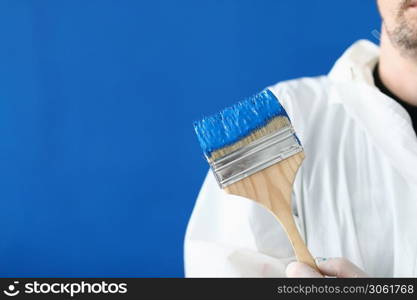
{"x":355,"y":195}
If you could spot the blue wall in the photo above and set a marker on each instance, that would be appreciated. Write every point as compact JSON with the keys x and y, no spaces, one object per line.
{"x":99,"y":165}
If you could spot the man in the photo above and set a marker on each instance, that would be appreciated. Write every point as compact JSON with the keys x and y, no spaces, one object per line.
{"x":355,"y":196}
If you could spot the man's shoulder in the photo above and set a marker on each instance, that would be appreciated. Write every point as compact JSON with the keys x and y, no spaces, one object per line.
{"x":310,"y":105}
{"x":296,"y":89}
{"x":305,"y":97}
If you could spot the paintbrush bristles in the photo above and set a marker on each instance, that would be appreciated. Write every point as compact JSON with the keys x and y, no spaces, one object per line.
{"x":247,"y":138}
{"x":271,"y":127}
{"x":238,"y":122}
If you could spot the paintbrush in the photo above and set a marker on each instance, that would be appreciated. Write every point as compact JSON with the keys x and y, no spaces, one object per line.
{"x":254,"y":153}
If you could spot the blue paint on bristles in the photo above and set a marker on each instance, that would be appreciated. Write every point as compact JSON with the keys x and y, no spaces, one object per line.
{"x":238,"y":121}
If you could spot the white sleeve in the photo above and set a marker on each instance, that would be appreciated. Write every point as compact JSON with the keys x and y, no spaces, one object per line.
{"x":230,"y":236}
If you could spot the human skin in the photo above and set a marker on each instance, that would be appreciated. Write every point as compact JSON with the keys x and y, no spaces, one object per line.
{"x":398,"y":56}
{"x":332,"y":267}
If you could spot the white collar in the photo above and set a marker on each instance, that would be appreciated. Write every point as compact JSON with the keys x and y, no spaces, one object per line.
{"x":386,"y":121}
{"x":357,"y":63}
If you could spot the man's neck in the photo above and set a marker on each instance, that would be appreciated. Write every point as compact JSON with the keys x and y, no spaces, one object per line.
{"x":398,"y":71}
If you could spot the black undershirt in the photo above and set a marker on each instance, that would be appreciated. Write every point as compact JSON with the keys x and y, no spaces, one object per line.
{"x":411,"y":109}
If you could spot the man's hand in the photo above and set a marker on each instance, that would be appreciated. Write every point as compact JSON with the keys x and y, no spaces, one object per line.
{"x":333,"y":267}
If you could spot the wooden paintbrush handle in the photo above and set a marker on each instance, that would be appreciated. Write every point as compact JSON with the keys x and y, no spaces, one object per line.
{"x":272,"y":188}
{"x":300,"y":248}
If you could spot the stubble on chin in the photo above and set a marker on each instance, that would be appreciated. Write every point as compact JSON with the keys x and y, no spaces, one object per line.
{"x":404,"y":35}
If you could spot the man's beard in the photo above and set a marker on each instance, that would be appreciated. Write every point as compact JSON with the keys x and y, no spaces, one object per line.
{"x":404,"y":35}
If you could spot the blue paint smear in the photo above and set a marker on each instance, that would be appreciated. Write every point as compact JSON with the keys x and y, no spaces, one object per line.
{"x":238,"y":121}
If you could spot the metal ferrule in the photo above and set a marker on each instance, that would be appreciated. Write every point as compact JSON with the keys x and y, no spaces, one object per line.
{"x":255,"y":157}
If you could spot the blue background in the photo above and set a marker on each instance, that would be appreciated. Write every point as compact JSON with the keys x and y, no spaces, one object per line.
{"x":99,"y":165}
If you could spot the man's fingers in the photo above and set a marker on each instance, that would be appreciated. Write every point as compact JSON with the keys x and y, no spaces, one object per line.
{"x":339,"y":267}
{"x":335,"y":267}
{"x":299,"y":269}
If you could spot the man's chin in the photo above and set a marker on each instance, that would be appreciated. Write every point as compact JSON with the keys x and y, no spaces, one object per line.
{"x":410,"y":21}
